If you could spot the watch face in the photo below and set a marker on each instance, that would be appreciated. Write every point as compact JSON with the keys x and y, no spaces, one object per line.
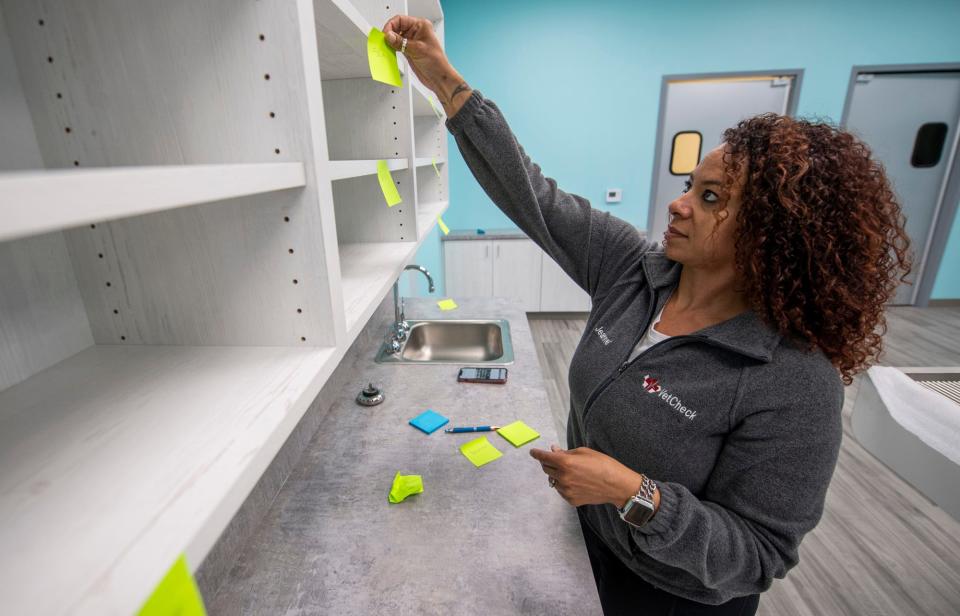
{"x":640,"y":513}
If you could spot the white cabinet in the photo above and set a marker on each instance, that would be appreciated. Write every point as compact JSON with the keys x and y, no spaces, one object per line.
{"x":468,"y":268}
{"x":515,"y":268}
{"x":516,"y":272}
{"x":192,"y":234}
{"x":558,"y":292}
{"x":493,"y":268}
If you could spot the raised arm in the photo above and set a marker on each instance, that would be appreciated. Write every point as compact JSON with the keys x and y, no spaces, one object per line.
{"x":426,"y":57}
{"x":593,"y":247}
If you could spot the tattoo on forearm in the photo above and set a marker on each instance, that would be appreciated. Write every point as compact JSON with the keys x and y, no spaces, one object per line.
{"x":463,"y":87}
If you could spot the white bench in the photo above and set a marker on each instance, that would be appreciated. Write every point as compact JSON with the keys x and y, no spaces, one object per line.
{"x":913,"y":426}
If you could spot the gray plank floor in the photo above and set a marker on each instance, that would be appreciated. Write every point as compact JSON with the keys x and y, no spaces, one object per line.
{"x":881,"y":547}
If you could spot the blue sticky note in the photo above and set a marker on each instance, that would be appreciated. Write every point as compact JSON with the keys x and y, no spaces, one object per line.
{"x":428,"y":421}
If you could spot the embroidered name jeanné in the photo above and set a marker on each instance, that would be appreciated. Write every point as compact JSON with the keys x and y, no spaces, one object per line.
{"x":603,"y":336}
{"x":652,"y":386}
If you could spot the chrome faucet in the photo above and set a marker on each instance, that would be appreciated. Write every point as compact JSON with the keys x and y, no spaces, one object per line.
{"x":400,"y":327}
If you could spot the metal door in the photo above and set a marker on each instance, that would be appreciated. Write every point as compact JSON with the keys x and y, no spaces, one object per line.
{"x":694,"y":111}
{"x":909,"y":120}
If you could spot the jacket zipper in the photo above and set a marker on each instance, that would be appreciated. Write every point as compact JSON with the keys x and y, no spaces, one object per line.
{"x":626,"y":364}
{"x":623,"y":364}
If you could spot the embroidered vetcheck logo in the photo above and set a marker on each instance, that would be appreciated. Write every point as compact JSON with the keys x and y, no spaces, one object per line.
{"x":652,"y":386}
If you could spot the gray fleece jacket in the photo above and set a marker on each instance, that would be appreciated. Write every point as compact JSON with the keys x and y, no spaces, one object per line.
{"x":739,"y":427}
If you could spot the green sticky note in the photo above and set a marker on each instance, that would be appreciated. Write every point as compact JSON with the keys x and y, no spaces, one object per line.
{"x":480,"y":451}
{"x":446,"y":231}
{"x":435,"y":168}
{"x":386,"y":184}
{"x":518,"y":433}
{"x":176,"y":595}
{"x":404,"y":486}
{"x":447,"y":304}
{"x":434,"y":107}
{"x":382,"y":59}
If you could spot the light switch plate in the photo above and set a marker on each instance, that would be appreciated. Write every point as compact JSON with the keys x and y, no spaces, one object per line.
{"x":614,"y":195}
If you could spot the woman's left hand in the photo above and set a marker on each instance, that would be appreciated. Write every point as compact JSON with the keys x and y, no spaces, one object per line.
{"x":584,"y":476}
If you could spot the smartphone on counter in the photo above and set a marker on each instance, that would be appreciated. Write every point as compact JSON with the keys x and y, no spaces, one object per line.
{"x":482,"y":375}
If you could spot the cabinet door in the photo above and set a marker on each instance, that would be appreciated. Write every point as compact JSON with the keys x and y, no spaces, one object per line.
{"x":558,"y":292}
{"x":468,"y":268}
{"x":516,"y":271}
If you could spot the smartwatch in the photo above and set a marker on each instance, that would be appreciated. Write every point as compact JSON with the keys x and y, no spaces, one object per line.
{"x":639,"y":509}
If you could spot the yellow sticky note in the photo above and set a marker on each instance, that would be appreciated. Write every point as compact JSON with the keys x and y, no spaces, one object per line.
{"x":386,"y":184}
{"x":404,"y":486}
{"x":434,"y":107}
{"x":445,"y":229}
{"x":382,"y":59}
{"x":447,"y":304}
{"x":518,"y":433}
{"x":435,"y":168}
{"x":480,"y":451}
{"x":176,"y":595}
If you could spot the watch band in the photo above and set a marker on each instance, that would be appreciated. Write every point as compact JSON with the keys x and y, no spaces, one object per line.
{"x":647,"y":488}
{"x":640,"y":508}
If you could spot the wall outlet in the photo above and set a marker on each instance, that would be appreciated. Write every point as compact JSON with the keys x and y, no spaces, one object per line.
{"x":614,"y":195}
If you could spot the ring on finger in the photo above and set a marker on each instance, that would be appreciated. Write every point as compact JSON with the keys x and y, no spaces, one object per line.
{"x":403,"y":45}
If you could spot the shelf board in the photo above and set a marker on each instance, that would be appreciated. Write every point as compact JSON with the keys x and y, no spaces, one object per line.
{"x":35,"y":202}
{"x":342,"y":40}
{"x":428,"y":161}
{"x":121,"y":457}
{"x":367,"y":271}
{"x":344,"y":169}
{"x":427,"y":216}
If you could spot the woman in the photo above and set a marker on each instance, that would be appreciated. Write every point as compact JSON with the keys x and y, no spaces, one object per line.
{"x":706,"y":391}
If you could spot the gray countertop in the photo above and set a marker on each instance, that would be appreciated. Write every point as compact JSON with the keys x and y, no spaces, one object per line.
{"x":489,"y":540}
{"x":495,"y":234}
{"x":489,"y":234}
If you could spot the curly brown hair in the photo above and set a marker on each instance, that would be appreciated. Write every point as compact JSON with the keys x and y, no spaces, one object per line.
{"x":821,"y":246}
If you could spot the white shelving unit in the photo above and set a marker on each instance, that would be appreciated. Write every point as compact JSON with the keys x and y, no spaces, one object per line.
{"x":427,"y":214}
{"x":369,"y":270}
{"x":51,"y":200}
{"x":344,"y":169}
{"x":192,"y":234}
{"x":121,"y":455}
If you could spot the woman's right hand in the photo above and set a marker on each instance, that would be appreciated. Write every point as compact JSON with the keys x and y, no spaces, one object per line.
{"x":425,"y":56}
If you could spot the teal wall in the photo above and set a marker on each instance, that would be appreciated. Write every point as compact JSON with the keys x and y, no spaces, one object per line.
{"x":579,"y":82}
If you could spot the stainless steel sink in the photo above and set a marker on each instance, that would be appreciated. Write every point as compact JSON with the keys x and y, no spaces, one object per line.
{"x":453,"y":342}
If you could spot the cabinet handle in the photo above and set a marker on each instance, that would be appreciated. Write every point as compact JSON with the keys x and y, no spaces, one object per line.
{"x":486,"y":252}
{"x":498,"y":251}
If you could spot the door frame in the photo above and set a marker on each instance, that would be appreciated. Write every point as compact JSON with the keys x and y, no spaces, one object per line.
{"x":792,"y":99}
{"x":946,"y":209}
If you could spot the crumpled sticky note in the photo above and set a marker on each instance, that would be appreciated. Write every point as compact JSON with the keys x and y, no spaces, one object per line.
{"x":176,"y":593}
{"x":443,"y":226}
{"x":389,"y":189}
{"x":447,"y":304}
{"x":404,"y":486}
{"x":480,"y":451}
{"x":518,"y":433}
{"x":382,"y":59}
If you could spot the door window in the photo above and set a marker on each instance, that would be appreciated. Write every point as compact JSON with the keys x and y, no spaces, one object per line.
{"x":685,"y":153}
{"x":928,"y":146}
